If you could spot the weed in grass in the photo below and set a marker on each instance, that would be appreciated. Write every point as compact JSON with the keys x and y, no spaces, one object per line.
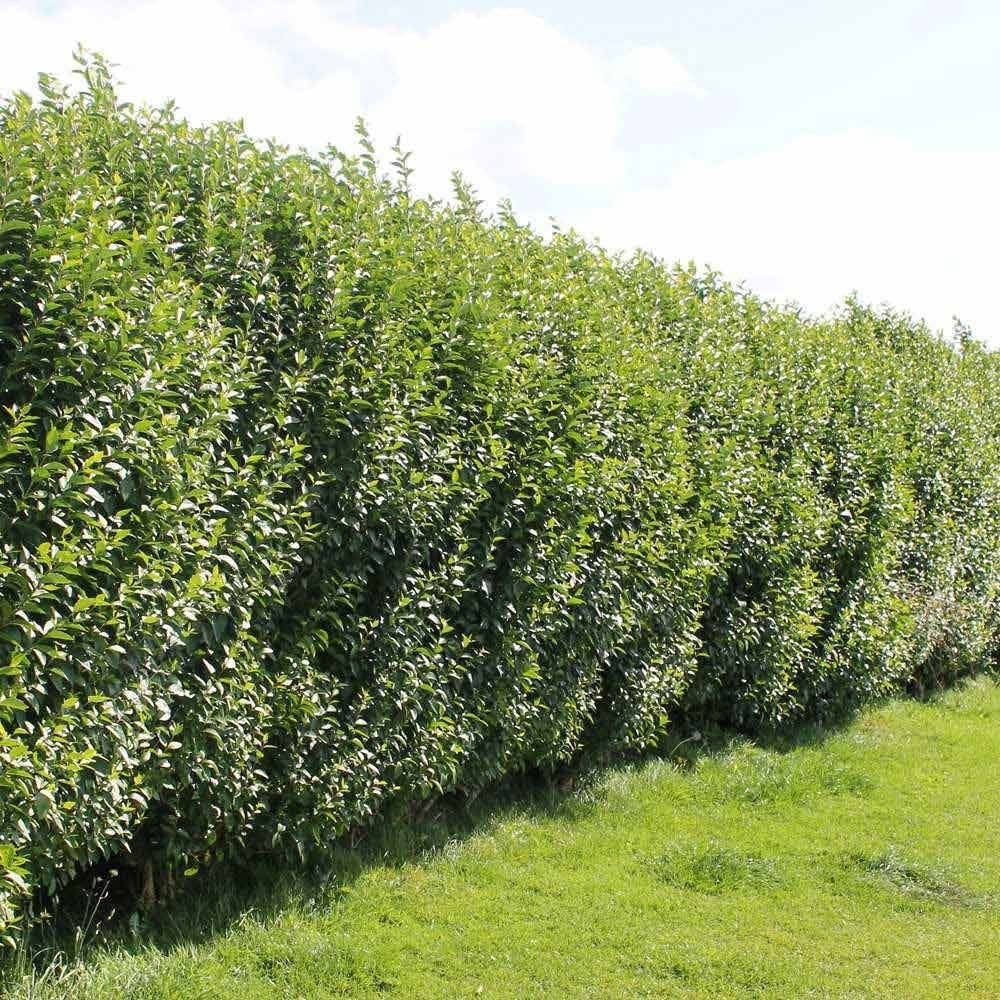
{"x":307,"y":960}
{"x":722,"y":975}
{"x":743,"y":975}
{"x":893,"y":871}
{"x":714,"y":869}
{"x":752,"y":775}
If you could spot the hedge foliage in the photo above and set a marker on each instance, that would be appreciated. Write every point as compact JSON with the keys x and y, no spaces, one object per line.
{"x":318,"y":498}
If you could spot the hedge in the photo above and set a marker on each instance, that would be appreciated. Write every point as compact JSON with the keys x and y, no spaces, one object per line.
{"x":319,"y":498}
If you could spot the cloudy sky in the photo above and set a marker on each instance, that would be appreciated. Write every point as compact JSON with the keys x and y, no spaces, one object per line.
{"x":807,"y":149}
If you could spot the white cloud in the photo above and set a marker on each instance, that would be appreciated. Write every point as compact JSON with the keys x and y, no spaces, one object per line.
{"x":220,"y":69}
{"x":823,"y":216}
{"x":508,"y":82}
{"x":656,"y":70}
{"x":500,"y":94}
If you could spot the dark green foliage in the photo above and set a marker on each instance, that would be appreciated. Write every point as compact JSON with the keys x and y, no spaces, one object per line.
{"x":317,"y":498}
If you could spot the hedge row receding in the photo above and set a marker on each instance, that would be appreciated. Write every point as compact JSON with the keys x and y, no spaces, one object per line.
{"x":317,"y":497}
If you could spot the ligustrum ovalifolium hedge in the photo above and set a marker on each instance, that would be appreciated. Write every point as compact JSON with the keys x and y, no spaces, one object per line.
{"x":318,"y":498}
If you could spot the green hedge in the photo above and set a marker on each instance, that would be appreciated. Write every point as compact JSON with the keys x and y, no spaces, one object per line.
{"x":318,"y":498}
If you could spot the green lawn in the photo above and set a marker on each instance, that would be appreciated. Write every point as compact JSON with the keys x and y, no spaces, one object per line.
{"x":863,"y":864}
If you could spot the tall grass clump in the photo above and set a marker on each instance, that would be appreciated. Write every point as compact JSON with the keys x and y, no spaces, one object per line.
{"x":318,"y":498}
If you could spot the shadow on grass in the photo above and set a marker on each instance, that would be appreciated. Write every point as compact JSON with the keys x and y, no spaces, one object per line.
{"x":729,"y":767}
{"x":104,"y":910}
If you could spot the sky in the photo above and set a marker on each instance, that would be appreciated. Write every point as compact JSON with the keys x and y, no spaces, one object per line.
{"x":807,"y":150}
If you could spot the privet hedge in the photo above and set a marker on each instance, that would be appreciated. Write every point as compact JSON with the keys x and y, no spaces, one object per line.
{"x":318,"y":498}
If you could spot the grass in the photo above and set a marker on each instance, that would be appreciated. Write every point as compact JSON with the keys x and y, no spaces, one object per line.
{"x":863,"y":863}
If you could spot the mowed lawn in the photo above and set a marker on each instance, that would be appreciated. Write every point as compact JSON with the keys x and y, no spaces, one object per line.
{"x":865,"y":863}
